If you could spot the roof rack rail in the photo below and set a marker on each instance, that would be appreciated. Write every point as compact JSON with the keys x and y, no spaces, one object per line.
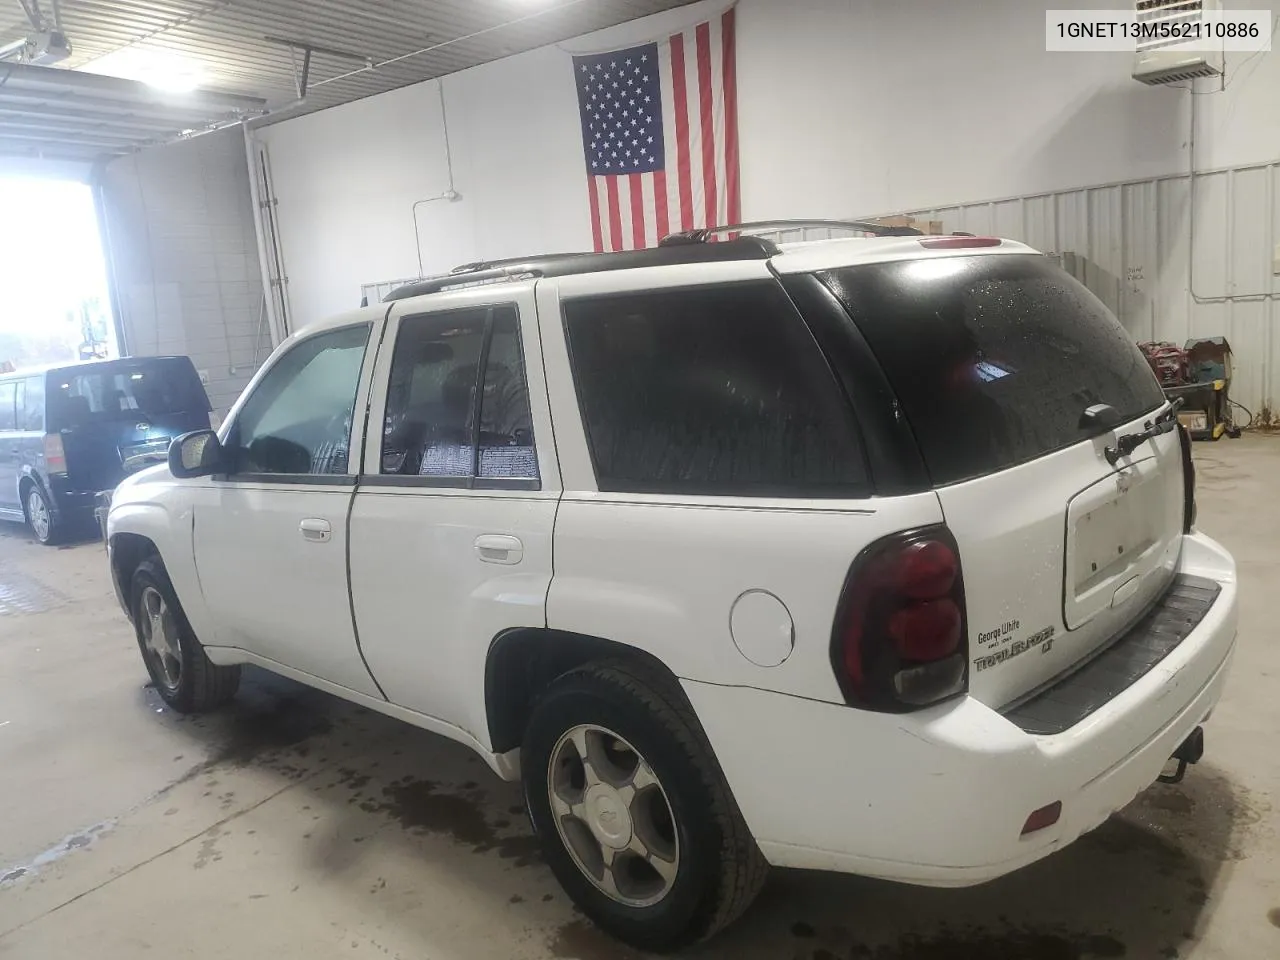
{"x":569,"y":264}
{"x":863,"y":226}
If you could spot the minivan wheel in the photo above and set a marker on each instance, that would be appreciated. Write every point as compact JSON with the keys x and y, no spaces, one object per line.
{"x":44,"y":523}
{"x":183,"y":675}
{"x":633,"y":813}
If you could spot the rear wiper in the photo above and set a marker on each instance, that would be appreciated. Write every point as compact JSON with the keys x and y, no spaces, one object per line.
{"x":1130,"y":442}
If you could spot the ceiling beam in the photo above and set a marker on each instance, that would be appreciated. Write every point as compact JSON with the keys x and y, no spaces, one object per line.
{"x":49,"y":80}
{"x":104,"y":143}
{"x":41,"y":130}
{"x":57,"y":113}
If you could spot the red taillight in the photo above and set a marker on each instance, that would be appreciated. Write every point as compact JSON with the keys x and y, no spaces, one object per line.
{"x":900,"y":639}
{"x":959,"y":243}
{"x":55,"y":458}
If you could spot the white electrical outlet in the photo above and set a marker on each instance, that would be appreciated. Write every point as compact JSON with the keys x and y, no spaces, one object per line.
{"x":204,"y":377}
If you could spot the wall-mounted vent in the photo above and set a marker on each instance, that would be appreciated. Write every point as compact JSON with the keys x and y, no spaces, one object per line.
{"x":1159,"y":61}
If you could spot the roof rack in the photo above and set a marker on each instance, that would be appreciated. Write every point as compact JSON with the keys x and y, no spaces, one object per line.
{"x":569,"y":264}
{"x":862,"y":226}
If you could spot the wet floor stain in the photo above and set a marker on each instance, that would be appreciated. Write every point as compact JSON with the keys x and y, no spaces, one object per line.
{"x":208,"y":852}
{"x":1274,"y":916}
{"x":580,"y":940}
{"x":23,"y":593}
{"x":980,"y":944}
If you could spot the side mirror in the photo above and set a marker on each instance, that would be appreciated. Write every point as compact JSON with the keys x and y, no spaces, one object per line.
{"x":195,"y":454}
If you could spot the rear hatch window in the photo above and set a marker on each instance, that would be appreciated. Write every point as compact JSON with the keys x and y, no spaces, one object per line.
{"x":994,"y":358}
{"x":133,"y":390}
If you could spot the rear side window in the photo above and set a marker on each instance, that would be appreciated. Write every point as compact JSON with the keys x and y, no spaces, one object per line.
{"x":710,"y":390}
{"x":994,"y":358}
{"x":125,"y":390}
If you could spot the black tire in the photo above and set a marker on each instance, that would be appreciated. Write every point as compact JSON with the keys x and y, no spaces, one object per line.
{"x":720,"y":868}
{"x":201,"y":685}
{"x":53,"y":531}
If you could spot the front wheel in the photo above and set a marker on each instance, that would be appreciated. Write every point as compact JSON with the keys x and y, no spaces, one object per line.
{"x":633,"y":813}
{"x":184,"y":676}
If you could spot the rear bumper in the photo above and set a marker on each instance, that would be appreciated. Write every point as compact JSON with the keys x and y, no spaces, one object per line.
{"x":939,"y":797}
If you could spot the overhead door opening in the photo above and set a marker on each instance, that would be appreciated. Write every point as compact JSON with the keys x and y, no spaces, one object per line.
{"x":52,"y":274}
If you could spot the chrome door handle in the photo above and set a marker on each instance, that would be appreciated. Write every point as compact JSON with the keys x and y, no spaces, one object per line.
{"x":315,"y":530}
{"x":492,"y":548}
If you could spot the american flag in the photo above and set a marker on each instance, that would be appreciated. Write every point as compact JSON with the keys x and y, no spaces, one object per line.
{"x":660,"y":135}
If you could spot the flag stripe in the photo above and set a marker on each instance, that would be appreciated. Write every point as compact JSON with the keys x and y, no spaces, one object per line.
{"x":707,"y":111}
{"x":597,"y":238}
{"x":602,"y":201}
{"x":637,"y":211}
{"x":663,"y":225}
{"x":649,"y":237}
{"x":729,"y":55}
{"x":615,"y":214}
{"x":683,"y":172}
{"x":624,"y":211}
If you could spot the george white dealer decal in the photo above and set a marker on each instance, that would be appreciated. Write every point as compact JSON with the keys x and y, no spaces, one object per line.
{"x":1043,"y":639}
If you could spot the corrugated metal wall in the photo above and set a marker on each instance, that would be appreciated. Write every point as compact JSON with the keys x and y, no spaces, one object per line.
{"x":184,"y":255}
{"x":1169,"y":270}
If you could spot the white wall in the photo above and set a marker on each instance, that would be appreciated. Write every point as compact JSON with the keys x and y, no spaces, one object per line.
{"x":847,"y":107}
{"x":180,"y":229}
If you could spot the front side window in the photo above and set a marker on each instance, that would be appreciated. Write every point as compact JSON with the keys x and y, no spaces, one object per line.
{"x":436,"y":424}
{"x":710,"y":390}
{"x":298,"y":418}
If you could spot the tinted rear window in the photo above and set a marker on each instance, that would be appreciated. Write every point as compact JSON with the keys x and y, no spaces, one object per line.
{"x":994,"y":358}
{"x":124,"y":390}
{"x":711,"y":390}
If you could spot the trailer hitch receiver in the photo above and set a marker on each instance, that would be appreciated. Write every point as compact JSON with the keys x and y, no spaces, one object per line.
{"x":1191,"y":750}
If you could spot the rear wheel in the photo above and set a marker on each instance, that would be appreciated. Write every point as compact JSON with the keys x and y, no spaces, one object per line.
{"x":184,"y":676}
{"x":45,"y":524}
{"x":633,"y":813}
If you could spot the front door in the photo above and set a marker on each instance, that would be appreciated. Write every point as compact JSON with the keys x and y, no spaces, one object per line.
{"x":271,"y":536}
{"x":451,"y":527}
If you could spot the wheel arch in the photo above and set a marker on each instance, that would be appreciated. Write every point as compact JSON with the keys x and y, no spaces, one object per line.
{"x":127,"y":551}
{"x":523,"y":661}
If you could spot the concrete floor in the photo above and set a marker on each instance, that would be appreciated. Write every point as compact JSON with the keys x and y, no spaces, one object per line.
{"x":294,"y":825}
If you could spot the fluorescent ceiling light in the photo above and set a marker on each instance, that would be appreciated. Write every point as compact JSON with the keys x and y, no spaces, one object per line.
{"x":165,"y":71}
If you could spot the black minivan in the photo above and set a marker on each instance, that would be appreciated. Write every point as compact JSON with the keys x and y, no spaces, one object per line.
{"x":70,"y":432}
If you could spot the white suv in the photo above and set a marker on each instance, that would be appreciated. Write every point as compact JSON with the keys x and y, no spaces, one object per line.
{"x":872,"y":555}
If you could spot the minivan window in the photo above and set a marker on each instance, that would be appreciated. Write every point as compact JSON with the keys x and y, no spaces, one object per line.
{"x":710,"y":390}
{"x":993,"y":358}
{"x":8,"y":398}
{"x":123,"y":390}
{"x":31,"y":413}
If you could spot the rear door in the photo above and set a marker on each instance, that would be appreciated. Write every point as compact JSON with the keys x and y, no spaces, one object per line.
{"x":994,"y":360}
{"x":452,"y":520}
{"x":117,"y":417}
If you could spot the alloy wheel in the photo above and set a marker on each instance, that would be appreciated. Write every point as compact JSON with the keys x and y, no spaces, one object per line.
{"x":38,"y":513}
{"x":613,"y":815}
{"x":160,"y":637}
